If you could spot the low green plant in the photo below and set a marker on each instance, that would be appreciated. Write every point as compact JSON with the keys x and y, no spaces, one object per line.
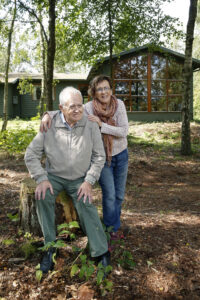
{"x":27,"y":249}
{"x":16,"y":141}
{"x":8,"y":242}
{"x":85,"y":270}
{"x":37,"y":117}
{"x":125,"y":260}
{"x":13,"y":218}
{"x":67,"y":228}
{"x":57,"y":244}
{"x":38,"y":273}
{"x":106,"y":286}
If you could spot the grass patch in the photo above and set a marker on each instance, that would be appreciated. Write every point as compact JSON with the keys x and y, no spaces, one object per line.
{"x":17,"y":123}
{"x":18,"y":135}
{"x":160,"y":136}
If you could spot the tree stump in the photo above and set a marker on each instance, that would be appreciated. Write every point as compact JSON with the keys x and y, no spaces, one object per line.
{"x":64,"y":210}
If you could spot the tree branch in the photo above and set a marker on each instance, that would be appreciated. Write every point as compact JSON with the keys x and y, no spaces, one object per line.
{"x":32,"y":12}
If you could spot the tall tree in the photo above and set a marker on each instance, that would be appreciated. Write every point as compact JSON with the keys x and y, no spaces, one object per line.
{"x":44,"y":74}
{"x":34,"y":8}
{"x":187,"y":75}
{"x":5,"y":99}
{"x":102,"y":27}
{"x":51,"y":48}
{"x":196,"y":53}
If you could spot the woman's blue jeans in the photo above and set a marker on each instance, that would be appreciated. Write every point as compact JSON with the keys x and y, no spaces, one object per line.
{"x":113,"y":183}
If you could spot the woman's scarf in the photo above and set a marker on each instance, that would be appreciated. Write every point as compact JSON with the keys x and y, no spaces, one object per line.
{"x":106,"y":113}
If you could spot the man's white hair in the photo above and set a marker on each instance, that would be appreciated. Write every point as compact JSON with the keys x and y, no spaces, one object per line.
{"x":66,"y":94}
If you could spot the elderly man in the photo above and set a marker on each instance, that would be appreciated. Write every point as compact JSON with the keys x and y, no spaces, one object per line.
{"x":74,"y":158}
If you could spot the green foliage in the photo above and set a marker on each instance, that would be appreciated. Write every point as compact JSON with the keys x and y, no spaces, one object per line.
{"x":25,"y":86}
{"x":16,"y":141}
{"x":57,"y":244}
{"x":39,"y":275}
{"x":160,"y":140}
{"x":66,"y":228}
{"x":37,"y":117}
{"x":28,"y":249}
{"x":125,"y":260}
{"x":8,"y":242}
{"x":106,"y":286}
{"x":87,"y":268}
{"x":74,"y":270}
{"x":13,"y":218}
{"x":100,"y":27}
{"x":107,"y":231}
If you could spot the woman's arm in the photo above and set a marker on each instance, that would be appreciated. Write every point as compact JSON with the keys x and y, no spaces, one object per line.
{"x":121,"y":128}
{"x":45,"y":123}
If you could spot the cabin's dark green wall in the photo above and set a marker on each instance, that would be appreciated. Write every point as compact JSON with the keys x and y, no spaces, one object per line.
{"x":26,"y":107}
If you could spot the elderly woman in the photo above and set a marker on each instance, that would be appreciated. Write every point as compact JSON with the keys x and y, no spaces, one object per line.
{"x":110,"y":114}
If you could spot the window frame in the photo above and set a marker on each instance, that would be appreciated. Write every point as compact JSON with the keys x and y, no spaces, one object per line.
{"x":149,"y":80}
{"x":35,"y":85}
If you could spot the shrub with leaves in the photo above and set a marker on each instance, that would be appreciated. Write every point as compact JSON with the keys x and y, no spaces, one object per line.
{"x":16,"y":141}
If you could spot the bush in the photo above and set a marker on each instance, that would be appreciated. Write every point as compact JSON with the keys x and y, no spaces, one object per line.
{"x":16,"y":141}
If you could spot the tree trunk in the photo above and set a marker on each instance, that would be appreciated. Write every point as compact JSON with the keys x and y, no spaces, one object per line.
{"x":51,"y":54}
{"x":187,"y":75}
{"x":65,"y":211}
{"x":44,"y":77}
{"x":110,"y":40}
{"x":5,"y":103}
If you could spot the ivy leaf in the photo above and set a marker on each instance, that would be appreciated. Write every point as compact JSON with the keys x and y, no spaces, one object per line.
{"x":74,"y":270}
{"x":73,"y":224}
{"x":100,"y":275}
{"x":39,"y":274}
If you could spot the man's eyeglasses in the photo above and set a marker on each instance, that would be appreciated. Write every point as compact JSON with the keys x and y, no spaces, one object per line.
{"x":74,"y":107}
{"x":104,"y":89}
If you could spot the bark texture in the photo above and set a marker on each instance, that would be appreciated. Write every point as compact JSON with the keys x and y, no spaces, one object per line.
{"x":5,"y":98}
{"x":65,"y":211}
{"x":187,"y":76}
{"x":51,"y":53}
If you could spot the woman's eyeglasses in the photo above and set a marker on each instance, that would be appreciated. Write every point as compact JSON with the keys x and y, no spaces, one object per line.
{"x":104,"y":89}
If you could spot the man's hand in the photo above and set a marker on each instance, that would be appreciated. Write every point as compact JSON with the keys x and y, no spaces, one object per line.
{"x":41,"y":189}
{"x":86,"y":191}
{"x":45,"y":123}
{"x":95,"y":119}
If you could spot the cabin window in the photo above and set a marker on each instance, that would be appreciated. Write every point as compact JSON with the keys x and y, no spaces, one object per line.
{"x":36,"y":93}
{"x":149,"y":82}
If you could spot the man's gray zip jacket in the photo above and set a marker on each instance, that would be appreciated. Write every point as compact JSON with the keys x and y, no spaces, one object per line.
{"x":70,"y":154}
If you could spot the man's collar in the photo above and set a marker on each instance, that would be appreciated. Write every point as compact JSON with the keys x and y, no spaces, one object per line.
{"x":60,"y":121}
{"x":64,"y":121}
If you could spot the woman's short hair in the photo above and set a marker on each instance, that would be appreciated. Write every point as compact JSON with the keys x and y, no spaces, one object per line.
{"x":66,"y":93}
{"x":95,"y":81}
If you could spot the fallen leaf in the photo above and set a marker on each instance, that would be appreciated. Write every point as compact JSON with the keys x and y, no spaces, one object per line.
{"x":84,"y":293}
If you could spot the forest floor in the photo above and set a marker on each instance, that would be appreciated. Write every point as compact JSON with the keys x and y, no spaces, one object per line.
{"x":160,"y":220}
